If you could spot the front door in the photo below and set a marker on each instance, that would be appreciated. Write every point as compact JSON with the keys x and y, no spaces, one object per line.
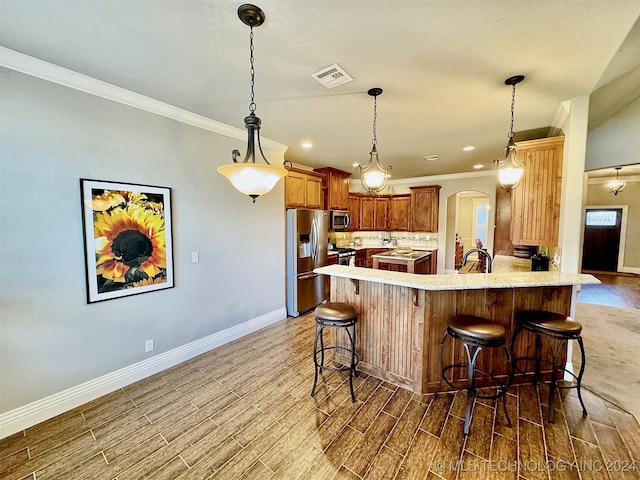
{"x":602,"y":239}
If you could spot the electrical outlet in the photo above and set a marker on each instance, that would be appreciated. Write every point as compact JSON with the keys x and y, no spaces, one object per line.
{"x":194,"y":257}
{"x":148,"y":345}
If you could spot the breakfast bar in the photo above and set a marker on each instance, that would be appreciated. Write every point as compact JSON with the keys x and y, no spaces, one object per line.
{"x":402,"y":316}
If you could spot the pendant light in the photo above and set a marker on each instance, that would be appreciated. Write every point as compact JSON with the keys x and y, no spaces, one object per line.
{"x":249,"y":177}
{"x":617,"y":185}
{"x":509,"y":169}
{"x":374,"y":176}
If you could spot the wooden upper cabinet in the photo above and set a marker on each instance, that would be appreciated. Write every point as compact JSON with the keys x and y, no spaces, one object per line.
{"x":425,"y":208}
{"x":303,"y":189}
{"x":381,"y":220}
{"x":535,"y":203}
{"x":336,"y":185}
{"x":399,"y":213}
{"x":367,"y":213}
{"x":354,"y":211}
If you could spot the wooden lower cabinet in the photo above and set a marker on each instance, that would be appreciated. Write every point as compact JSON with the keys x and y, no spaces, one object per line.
{"x":361,"y":258}
{"x":399,"y":329}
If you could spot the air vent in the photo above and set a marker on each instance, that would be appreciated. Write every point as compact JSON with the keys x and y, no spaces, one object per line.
{"x":332,"y":76}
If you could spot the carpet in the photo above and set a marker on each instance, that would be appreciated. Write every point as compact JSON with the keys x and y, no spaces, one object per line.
{"x":611,"y":337}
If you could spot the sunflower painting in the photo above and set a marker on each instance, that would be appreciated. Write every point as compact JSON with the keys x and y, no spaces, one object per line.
{"x":127,"y":237}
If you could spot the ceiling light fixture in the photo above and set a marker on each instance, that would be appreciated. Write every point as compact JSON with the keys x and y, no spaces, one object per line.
{"x":374,"y":178}
{"x":469,"y":148}
{"x":509,"y":169}
{"x":617,"y":185}
{"x":247,"y":176}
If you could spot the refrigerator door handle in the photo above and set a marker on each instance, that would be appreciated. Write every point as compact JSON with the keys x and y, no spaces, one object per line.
{"x":314,"y":241}
{"x":307,"y":276}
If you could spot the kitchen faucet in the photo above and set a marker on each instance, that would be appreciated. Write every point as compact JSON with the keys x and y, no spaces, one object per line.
{"x":480,"y":251}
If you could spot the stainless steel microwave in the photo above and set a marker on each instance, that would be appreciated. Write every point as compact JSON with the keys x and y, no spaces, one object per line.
{"x":340,"y":220}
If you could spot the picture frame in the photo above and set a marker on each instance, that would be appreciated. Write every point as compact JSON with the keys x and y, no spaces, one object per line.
{"x":128,"y":238}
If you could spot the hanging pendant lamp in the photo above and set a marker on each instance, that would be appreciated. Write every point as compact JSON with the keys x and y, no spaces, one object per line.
{"x":617,"y":185}
{"x":373,"y":175}
{"x":509,"y":169}
{"x":249,"y":177}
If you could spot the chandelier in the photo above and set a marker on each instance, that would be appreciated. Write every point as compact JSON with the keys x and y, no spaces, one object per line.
{"x":509,"y":169}
{"x":373,"y":175}
{"x":249,"y":177}
{"x":617,"y":185}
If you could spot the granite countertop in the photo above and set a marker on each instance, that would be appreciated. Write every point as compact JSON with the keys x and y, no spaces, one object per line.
{"x":509,"y":272}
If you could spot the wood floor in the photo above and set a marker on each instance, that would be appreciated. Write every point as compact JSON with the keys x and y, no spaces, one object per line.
{"x":616,"y":290}
{"x":243,"y":411}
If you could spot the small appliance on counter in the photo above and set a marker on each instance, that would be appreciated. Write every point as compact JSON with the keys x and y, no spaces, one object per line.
{"x":539,"y":263}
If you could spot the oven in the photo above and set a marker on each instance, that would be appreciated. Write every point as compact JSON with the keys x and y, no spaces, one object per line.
{"x":347,"y":256}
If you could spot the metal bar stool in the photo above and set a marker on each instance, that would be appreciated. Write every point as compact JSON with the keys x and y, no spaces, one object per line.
{"x":551,"y":326}
{"x":335,"y":315}
{"x":475,"y":333}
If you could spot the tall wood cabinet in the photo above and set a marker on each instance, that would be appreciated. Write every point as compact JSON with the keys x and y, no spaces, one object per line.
{"x":535,"y":203}
{"x":353,"y":202}
{"x":399,"y":213}
{"x":303,"y":189}
{"x":425,"y":208}
{"x":336,"y":187}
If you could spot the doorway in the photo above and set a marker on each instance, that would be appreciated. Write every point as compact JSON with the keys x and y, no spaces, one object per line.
{"x":602,"y":238}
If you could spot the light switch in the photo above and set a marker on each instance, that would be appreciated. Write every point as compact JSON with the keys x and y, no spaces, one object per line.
{"x":194,"y":257}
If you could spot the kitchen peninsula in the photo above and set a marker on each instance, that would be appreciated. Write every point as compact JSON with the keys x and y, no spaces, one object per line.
{"x":402,"y":316}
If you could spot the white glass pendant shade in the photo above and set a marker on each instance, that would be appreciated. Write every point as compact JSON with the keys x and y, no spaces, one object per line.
{"x":509,"y":170}
{"x":373,"y":179}
{"x":617,"y":185}
{"x":252,"y":179}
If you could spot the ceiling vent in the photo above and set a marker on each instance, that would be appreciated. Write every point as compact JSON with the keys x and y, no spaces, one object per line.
{"x":332,"y":76}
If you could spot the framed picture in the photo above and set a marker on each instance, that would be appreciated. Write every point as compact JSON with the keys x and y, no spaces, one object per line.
{"x":127,"y":238}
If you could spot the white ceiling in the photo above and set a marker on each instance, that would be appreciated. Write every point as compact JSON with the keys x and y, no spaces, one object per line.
{"x":441,"y":63}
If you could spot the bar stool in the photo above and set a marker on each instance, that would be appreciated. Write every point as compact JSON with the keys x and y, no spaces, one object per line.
{"x":335,"y":315}
{"x":475,"y":333}
{"x":551,"y":326}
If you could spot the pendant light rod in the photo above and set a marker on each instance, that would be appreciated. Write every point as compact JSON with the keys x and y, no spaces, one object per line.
{"x":509,"y":169}
{"x":246,"y":176}
{"x":374,"y":178}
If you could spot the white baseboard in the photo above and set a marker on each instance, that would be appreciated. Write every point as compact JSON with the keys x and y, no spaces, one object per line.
{"x":24,"y":417}
{"x":631,"y":270}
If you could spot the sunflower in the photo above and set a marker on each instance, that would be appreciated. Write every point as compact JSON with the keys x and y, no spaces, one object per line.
{"x":111,"y":199}
{"x":130,"y":244}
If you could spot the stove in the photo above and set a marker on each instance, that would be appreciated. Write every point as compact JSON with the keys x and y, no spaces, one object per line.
{"x":346,"y":256}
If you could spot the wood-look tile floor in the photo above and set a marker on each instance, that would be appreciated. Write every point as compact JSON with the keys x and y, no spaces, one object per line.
{"x":616,"y":290}
{"x":243,"y":411}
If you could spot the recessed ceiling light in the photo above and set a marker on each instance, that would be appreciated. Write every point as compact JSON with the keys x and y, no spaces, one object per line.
{"x":469,"y":148}
{"x":478,"y":166}
{"x":307,"y":145}
{"x":430,"y":158}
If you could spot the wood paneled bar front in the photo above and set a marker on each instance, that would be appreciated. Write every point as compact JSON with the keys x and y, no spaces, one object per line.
{"x":402,"y":317}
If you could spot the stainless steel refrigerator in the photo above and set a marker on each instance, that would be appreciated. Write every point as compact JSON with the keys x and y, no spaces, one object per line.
{"x":307,"y":242}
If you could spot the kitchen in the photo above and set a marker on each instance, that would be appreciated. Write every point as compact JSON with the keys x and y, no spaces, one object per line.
{"x":55,"y":132}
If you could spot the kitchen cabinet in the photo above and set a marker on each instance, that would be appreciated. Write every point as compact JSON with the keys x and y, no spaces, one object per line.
{"x":370,"y":253}
{"x":399,"y":213}
{"x":354,"y":211}
{"x":535,"y":203}
{"x":303,"y":189}
{"x":336,"y":188}
{"x":374,"y":213}
{"x":425,"y":208}
{"x":361,"y":258}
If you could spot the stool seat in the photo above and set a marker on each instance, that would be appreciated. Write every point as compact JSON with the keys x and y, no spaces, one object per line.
{"x":549,"y":323}
{"x":557,"y":330}
{"x":476,"y":328}
{"x":340,"y":316}
{"x":336,"y":313}
{"x":475,"y":333}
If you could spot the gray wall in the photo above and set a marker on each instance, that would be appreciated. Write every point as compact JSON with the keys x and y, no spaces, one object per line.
{"x":51,"y":339}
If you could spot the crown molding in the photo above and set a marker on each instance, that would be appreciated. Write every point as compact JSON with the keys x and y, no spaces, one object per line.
{"x":49,"y":72}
